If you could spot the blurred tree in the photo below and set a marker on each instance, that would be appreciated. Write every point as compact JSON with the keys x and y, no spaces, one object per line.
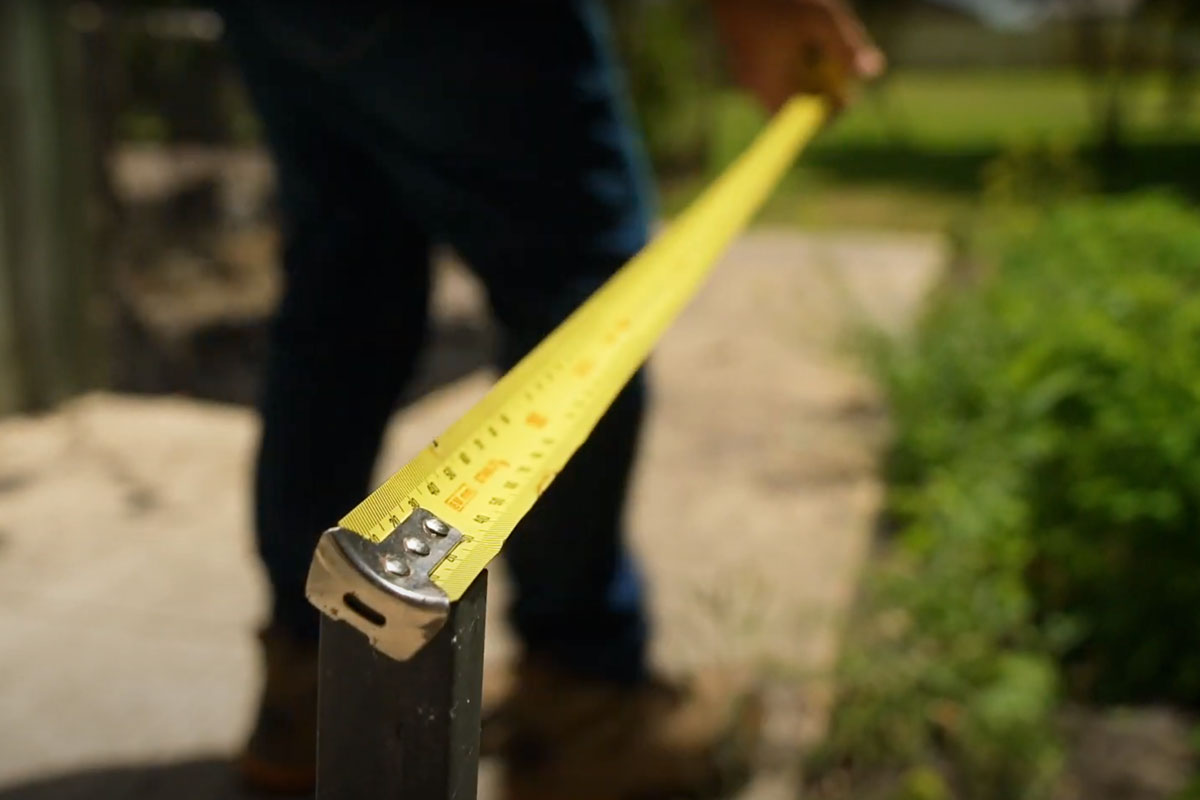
{"x":1183,"y":58}
{"x":1102,"y":55}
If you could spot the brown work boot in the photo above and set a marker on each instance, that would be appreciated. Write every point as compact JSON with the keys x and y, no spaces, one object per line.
{"x":281,"y":756}
{"x":566,"y":738}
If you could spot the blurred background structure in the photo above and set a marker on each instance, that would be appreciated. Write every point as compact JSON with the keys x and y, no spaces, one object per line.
{"x":1007,"y":455}
{"x":47,"y":320}
{"x":125,"y":126}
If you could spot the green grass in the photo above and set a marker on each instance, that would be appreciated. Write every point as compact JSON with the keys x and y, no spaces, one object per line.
{"x":990,"y":108}
{"x":911,"y":153}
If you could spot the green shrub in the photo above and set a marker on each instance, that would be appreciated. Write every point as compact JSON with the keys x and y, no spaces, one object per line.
{"x":1071,"y":355}
{"x":1045,"y":480}
{"x":944,"y":672}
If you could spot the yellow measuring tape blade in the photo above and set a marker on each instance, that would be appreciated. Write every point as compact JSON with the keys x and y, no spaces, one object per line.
{"x":486,"y":471}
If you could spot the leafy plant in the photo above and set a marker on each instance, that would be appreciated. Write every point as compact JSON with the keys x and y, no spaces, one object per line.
{"x":1045,"y":481}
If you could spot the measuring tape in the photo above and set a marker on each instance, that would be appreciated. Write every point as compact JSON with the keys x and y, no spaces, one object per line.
{"x":427,"y":533}
{"x":487,"y":470}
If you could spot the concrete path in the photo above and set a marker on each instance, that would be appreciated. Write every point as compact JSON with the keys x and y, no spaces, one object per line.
{"x":129,"y":591}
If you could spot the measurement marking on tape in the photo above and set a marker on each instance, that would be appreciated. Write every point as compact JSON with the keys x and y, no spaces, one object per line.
{"x":558,"y":392}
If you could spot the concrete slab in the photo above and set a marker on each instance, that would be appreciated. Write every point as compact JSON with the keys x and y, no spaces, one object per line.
{"x":129,"y":591}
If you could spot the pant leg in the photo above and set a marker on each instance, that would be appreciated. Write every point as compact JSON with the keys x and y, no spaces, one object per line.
{"x":535,"y":176}
{"x":502,"y":126}
{"x":350,"y":322}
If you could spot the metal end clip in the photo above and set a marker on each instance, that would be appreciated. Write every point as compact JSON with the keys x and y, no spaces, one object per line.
{"x":384,"y":589}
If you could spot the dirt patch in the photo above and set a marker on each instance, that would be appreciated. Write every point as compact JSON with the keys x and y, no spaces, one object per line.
{"x":1127,"y":754}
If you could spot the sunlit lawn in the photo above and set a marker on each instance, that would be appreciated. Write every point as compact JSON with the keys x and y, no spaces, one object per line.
{"x":911,"y":153}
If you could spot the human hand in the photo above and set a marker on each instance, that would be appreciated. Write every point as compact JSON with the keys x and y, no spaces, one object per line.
{"x":778,"y":48}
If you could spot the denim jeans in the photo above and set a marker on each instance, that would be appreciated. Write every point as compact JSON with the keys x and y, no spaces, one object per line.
{"x":499,"y":129}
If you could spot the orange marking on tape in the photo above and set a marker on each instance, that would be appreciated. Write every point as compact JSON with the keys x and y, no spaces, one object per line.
{"x":485,"y":474}
{"x":536,"y":420}
{"x":462,"y":495}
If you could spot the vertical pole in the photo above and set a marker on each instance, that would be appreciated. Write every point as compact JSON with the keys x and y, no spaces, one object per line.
{"x":47,"y":322}
{"x":402,"y":730}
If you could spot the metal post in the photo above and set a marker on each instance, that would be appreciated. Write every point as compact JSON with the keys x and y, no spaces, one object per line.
{"x":392,"y":730}
{"x":401,"y":669}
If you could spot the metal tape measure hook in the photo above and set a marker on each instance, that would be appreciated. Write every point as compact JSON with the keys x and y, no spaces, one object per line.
{"x":384,"y":589}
